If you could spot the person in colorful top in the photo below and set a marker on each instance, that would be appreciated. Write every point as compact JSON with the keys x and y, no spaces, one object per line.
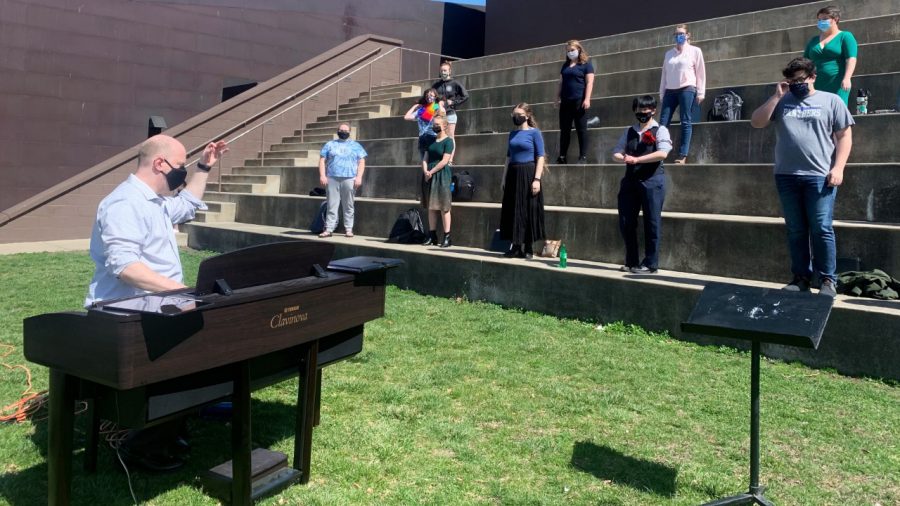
{"x":642,"y":148}
{"x":436,"y":178}
{"x":423,"y":112}
{"x":522,"y":212}
{"x":341,"y":165}
{"x":451,"y":95}
{"x":682,"y":86}
{"x":834,"y":53}
{"x":813,"y":140}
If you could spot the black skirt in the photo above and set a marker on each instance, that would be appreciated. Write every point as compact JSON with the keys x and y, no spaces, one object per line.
{"x":522,"y":214}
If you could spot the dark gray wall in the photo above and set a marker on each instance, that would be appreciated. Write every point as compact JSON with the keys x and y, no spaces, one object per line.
{"x":512,"y":25}
{"x":80,"y":79}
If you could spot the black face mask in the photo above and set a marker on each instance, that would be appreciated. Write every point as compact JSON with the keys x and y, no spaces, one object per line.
{"x":799,"y":90}
{"x":436,"y":128}
{"x":343,"y":135}
{"x":518,"y":119}
{"x":175,"y":177}
{"x":643,"y":117}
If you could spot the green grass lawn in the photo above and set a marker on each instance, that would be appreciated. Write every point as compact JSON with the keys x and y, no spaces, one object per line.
{"x":453,"y":402}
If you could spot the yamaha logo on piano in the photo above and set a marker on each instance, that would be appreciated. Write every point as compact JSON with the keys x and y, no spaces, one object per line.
{"x":288,"y":316}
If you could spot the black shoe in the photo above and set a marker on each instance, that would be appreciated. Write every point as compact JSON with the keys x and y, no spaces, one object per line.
{"x":582,"y":160}
{"x":561,"y":160}
{"x":514,"y":250}
{"x":447,"y":243}
{"x":432,"y":239}
{"x":827,"y":288}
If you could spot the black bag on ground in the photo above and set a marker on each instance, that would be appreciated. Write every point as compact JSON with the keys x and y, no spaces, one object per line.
{"x":408,"y":228}
{"x":318,"y":224}
{"x":726,"y":107}
{"x":463,"y":186}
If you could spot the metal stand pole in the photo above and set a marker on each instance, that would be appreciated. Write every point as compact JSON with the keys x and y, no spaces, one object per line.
{"x":755,"y":494}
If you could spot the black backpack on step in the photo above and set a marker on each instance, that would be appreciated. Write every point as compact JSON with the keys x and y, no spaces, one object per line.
{"x":463,"y":186}
{"x":318,"y":224}
{"x":726,"y":107}
{"x":408,"y":228}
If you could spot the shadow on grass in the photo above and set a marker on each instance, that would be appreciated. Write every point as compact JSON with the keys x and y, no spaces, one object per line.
{"x":608,"y":464}
{"x":273,"y":422}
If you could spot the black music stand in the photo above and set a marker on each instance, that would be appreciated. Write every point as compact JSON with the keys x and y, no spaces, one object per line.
{"x":759,"y":315}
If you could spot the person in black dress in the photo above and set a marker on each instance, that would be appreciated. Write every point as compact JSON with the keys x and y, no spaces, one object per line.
{"x":522,"y":213}
{"x":576,"y":83}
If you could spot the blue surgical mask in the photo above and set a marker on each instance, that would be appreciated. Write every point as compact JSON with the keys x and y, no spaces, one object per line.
{"x":824,"y":24}
{"x":680,"y":38}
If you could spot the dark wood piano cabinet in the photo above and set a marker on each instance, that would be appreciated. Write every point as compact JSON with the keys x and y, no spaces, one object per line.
{"x":139,"y":364}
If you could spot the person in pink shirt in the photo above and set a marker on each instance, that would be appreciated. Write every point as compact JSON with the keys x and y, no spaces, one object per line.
{"x":683,"y":86}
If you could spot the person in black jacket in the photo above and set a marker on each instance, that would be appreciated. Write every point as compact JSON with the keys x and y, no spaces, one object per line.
{"x":451,"y":94}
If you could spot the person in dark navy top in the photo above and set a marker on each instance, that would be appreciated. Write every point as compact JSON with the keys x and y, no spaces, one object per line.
{"x":576,"y":83}
{"x":522,"y":212}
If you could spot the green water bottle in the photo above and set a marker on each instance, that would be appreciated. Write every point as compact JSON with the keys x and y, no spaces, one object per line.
{"x":563,"y":256}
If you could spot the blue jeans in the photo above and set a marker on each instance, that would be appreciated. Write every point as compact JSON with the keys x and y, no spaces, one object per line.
{"x":808,"y":205}
{"x":685,"y":99}
{"x":647,"y":196}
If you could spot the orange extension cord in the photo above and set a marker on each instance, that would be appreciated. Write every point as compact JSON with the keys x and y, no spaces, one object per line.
{"x":30,"y":402}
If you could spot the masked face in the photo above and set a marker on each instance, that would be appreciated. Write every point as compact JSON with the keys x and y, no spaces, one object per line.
{"x":176,"y":177}
{"x":799,"y":90}
{"x":445,"y":74}
{"x":572,"y":55}
{"x":680,"y":38}
{"x":824,"y":24}
{"x":643,"y":116}
{"x":343,"y":135}
{"x":436,"y":128}
{"x":430,"y":99}
{"x":519,"y":119}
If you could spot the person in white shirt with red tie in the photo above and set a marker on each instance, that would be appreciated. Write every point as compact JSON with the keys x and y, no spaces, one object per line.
{"x":682,"y":86}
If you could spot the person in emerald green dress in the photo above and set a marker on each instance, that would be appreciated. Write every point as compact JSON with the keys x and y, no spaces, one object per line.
{"x":436,"y":178}
{"x":834,"y":53}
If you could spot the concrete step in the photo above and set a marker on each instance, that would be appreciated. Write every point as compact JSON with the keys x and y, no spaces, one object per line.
{"x":284,"y":160}
{"x":881,"y":57}
{"x":769,"y":22}
{"x":323,"y":130}
{"x":380,"y":109}
{"x":351,"y":116}
{"x":591,"y":291}
{"x":490,"y":109}
{"x":712,"y":143}
{"x":364,"y":98}
{"x":748,"y":247}
{"x":789,"y":40}
{"x":240,"y":188}
{"x":217,"y":212}
{"x":870,"y":193}
{"x":394,"y":88}
{"x":261,"y":183}
{"x":312,"y":148}
{"x":308,"y":157}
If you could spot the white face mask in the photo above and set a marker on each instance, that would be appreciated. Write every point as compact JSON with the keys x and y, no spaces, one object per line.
{"x":572,"y":55}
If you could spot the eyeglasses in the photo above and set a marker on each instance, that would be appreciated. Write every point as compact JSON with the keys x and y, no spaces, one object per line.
{"x":798,"y":80}
{"x":180,"y":167}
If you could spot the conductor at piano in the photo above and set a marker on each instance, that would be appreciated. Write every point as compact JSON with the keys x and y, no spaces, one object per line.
{"x":134,"y":251}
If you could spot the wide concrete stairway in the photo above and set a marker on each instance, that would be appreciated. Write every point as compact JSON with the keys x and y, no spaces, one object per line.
{"x":722,"y":217}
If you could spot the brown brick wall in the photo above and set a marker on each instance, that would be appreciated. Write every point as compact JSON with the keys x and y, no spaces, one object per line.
{"x":80,"y":79}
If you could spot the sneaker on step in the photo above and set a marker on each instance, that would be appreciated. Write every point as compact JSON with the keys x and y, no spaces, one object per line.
{"x":643,"y":269}
{"x":798,"y":284}
{"x":827,"y":288}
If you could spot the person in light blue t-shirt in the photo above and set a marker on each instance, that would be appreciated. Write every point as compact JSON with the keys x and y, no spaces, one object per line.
{"x":813,"y":142}
{"x":342,"y":163}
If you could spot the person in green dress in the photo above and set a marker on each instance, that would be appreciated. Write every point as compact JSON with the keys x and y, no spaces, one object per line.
{"x":834,"y":53}
{"x":436,"y":178}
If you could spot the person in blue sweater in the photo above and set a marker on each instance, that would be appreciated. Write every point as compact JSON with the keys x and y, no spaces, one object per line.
{"x":522,"y":213}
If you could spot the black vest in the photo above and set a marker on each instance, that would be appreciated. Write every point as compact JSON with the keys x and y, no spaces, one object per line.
{"x":634,"y":147}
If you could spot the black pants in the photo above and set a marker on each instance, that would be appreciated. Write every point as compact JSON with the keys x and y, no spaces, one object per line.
{"x":647,"y":196}
{"x":569,"y":111}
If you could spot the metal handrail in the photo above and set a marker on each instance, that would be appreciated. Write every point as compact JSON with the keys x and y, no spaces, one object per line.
{"x":336,"y":83}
